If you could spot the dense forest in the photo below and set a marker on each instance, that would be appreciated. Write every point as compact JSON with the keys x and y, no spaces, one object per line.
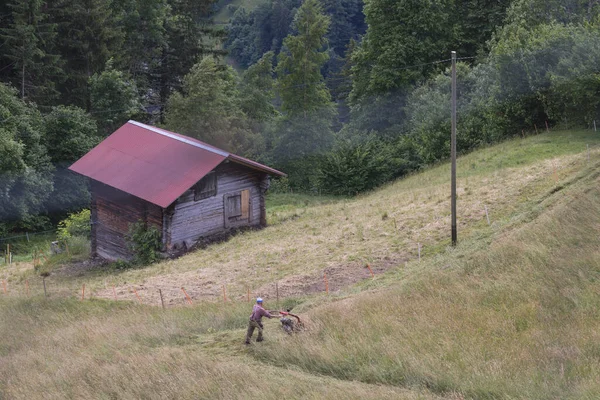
{"x":340,"y":94}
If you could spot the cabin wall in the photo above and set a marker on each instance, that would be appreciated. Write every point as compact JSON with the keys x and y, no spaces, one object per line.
{"x":112,"y":213}
{"x":188,"y":220}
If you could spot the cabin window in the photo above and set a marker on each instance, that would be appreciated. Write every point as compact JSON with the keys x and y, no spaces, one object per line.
{"x":234,"y":206}
{"x":207,"y":187}
{"x":238,"y":207}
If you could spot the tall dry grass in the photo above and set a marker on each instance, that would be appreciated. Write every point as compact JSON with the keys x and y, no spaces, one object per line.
{"x":65,"y":349}
{"x":382,"y":228}
{"x":511,"y":313}
{"x":518,"y":319}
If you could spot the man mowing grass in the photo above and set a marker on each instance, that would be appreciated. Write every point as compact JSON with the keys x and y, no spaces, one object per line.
{"x":255,"y":321}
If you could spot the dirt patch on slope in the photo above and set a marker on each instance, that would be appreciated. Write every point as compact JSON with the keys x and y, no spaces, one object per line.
{"x":204,"y":284}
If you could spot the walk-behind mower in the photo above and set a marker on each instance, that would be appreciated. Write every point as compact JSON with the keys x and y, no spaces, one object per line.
{"x":288,"y":325}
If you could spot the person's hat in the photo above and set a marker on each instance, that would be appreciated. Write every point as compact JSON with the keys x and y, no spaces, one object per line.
{"x":259,"y":300}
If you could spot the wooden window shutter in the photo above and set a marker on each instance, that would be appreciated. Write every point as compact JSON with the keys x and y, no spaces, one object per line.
{"x":245,"y":204}
{"x":234,"y":208}
{"x":207,"y":187}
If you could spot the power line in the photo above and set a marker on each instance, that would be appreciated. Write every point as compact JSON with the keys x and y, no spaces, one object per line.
{"x":397,"y":69}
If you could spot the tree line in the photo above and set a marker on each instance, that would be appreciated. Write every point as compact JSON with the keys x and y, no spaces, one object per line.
{"x":341,"y":95}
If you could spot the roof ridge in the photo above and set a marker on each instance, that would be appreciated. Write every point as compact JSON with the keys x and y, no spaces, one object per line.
{"x":179,"y":138}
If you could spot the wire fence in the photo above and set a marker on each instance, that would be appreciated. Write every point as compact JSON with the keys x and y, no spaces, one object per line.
{"x":27,"y":236}
{"x":37,"y":285}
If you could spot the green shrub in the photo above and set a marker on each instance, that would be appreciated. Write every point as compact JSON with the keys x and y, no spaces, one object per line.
{"x":121,"y":265}
{"x":145,"y":243}
{"x":356,"y":168}
{"x":76,"y":224}
{"x":280,"y":185}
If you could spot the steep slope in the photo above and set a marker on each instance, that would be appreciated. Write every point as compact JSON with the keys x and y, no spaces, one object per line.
{"x":339,"y":237}
{"x":511,"y":312}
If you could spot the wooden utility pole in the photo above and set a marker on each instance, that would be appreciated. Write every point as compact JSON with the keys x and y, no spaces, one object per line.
{"x":453,"y":153}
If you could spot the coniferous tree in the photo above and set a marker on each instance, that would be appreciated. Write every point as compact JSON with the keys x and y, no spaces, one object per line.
{"x":300,"y":82}
{"x":28,"y":41}
{"x":305,"y":128}
{"x":145,"y":36}
{"x":183,"y":45}
{"x":209,"y":108}
{"x":90,"y":34}
{"x":257,"y":90}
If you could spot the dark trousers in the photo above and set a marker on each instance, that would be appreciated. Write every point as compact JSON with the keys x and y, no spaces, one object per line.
{"x":252,"y":325}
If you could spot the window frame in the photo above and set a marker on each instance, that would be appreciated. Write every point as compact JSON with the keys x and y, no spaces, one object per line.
{"x":200,"y":188}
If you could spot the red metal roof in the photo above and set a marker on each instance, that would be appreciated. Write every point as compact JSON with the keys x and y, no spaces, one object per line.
{"x":154,"y":164}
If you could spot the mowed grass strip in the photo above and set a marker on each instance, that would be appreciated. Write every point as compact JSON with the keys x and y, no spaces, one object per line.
{"x":311,"y":234}
{"x":511,"y":313}
{"x":516,"y":319}
{"x":61,"y":349}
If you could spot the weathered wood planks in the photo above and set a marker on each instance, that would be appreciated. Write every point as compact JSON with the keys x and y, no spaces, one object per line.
{"x":192,"y":220}
{"x":184,"y":222}
{"x":113,"y":211}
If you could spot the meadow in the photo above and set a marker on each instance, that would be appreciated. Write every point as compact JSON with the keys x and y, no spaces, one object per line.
{"x":511,"y":312}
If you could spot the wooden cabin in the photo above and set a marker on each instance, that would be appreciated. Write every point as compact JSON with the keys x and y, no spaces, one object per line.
{"x":187,"y":189}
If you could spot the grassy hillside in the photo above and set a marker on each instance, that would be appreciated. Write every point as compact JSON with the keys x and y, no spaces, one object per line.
{"x":309,"y":236}
{"x":514,"y":317}
{"x":512,"y":312}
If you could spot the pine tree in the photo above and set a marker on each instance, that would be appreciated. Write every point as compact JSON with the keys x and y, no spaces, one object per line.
{"x":28,"y":41}
{"x":90,"y":34}
{"x":209,"y":108}
{"x":256,"y":92}
{"x":304,"y":130}
{"x":183,"y":46}
{"x":143,"y":23}
{"x":300,"y":83}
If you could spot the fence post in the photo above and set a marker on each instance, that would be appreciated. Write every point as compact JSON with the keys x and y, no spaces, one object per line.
{"x":162,"y":302}
{"x":83,"y":291}
{"x":371,"y":271}
{"x":137,"y":295}
{"x":487,"y":215}
{"x":326,"y":282}
{"x":187,"y":297}
{"x":277,"y":293}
